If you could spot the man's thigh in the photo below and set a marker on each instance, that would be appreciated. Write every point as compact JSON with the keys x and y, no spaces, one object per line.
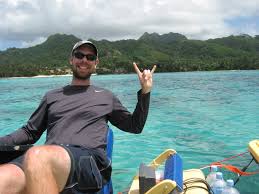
{"x":75,"y":167}
{"x":55,"y":156}
{"x":11,"y":175}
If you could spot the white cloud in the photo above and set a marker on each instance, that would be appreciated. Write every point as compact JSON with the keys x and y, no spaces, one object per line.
{"x":34,"y":42}
{"x":30,"y":20}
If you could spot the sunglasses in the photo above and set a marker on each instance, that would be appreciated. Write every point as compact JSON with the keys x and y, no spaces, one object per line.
{"x":80,"y":55}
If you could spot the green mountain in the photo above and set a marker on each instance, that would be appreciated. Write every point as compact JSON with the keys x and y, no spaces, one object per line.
{"x":172,"y":52}
{"x":46,"y":58}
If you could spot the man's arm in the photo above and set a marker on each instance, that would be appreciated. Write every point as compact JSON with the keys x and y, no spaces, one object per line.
{"x":31,"y":132}
{"x":130,"y":122}
{"x":122,"y":118}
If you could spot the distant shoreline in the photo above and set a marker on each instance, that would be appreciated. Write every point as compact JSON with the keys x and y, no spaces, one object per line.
{"x":64,"y":75}
{"x":94,"y":74}
{"x":43,"y":76}
{"x":40,"y":76}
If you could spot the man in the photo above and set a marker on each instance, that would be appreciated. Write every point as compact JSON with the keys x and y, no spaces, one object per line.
{"x":75,"y":118}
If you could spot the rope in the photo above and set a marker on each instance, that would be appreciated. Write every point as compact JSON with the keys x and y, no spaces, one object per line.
{"x":225,"y":159}
{"x":244,"y":169}
{"x":235,"y":169}
{"x":191,"y":181}
{"x":231,"y":167}
{"x":235,"y":156}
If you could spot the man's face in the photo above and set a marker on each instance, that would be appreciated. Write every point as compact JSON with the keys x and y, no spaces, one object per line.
{"x":83,"y":62}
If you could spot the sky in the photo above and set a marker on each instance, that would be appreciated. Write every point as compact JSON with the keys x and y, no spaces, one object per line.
{"x":25,"y":23}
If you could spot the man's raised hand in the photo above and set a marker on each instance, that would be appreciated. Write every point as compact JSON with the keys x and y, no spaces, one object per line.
{"x":145,"y":78}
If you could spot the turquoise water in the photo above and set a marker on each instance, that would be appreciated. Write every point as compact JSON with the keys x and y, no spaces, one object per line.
{"x":205,"y":116}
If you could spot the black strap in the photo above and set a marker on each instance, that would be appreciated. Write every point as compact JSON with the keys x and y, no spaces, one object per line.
{"x":8,"y":152}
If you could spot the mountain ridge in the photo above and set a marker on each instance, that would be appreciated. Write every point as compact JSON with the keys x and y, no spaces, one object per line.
{"x":172,"y":51}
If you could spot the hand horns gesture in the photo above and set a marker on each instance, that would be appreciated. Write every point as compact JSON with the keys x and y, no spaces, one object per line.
{"x":145,"y":78}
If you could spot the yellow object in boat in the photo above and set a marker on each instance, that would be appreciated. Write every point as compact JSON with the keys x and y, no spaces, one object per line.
{"x":253,"y":148}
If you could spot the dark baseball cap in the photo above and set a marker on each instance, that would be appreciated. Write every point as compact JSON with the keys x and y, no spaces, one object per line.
{"x":82,"y":42}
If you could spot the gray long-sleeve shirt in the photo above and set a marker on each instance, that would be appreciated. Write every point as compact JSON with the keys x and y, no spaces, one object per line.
{"x":78,"y":115}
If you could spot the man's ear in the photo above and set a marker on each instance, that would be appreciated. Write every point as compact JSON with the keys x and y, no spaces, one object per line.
{"x":71,"y":60}
{"x":96,"y":62}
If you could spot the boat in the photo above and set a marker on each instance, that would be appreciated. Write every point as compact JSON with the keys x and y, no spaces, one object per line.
{"x":190,"y":181}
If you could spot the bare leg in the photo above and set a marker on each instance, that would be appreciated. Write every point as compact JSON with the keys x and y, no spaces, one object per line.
{"x":46,"y":169}
{"x":12,"y":179}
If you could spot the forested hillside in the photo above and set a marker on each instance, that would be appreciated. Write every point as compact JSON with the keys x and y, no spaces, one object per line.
{"x":172,"y":52}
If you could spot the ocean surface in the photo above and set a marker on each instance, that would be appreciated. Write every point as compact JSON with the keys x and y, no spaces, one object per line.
{"x":204,"y":116}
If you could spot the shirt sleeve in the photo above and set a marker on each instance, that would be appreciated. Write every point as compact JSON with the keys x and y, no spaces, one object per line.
{"x":130,"y":122}
{"x":32,"y":131}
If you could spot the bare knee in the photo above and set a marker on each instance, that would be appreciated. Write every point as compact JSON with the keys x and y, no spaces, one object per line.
{"x":35,"y":153}
{"x":50,"y":161}
{"x":34,"y":158}
{"x":12,"y":179}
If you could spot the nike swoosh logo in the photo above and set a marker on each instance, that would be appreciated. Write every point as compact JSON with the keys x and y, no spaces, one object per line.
{"x":98,"y":91}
